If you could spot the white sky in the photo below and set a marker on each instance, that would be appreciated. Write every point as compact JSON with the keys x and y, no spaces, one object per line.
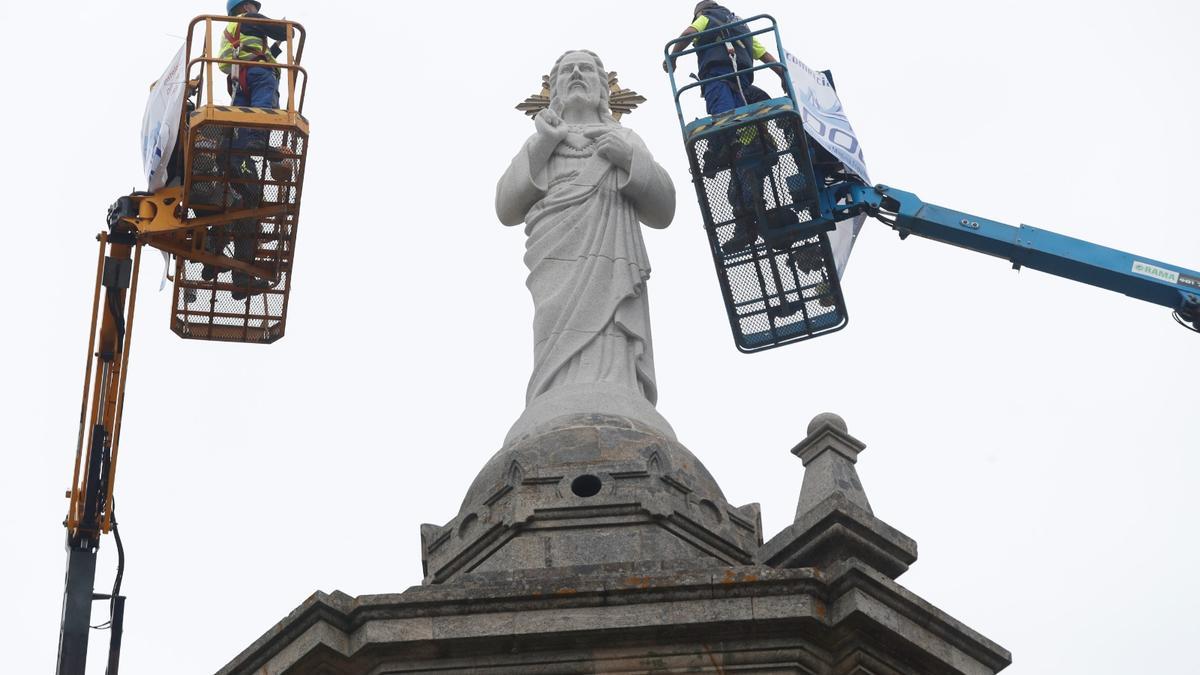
{"x":1035,"y":436}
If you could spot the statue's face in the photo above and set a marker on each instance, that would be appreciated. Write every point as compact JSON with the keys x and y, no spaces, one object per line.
{"x":579,"y":82}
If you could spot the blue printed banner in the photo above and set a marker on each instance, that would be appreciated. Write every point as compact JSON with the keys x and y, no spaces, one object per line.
{"x":824,"y":118}
{"x":826,"y":123}
{"x":160,"y":122}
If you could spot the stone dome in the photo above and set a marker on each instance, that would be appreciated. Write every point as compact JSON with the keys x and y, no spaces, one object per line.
{"x":588,"y":490}
{"x":588,"y":444}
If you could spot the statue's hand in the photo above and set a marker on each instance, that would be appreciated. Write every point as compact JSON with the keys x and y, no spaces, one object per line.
{"x":550,"y":126}
{"x":616,"y":147}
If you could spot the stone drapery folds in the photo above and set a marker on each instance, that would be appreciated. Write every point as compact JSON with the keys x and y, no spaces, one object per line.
{"x":581,"y":185}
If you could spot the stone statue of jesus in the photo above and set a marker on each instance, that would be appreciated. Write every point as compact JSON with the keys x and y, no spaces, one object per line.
{"x":581,"y":184}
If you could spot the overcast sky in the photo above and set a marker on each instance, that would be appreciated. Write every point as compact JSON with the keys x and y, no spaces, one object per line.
{"x":1037,"y":437}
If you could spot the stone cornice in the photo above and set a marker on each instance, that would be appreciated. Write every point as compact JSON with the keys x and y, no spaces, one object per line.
{"x":738,"y":601}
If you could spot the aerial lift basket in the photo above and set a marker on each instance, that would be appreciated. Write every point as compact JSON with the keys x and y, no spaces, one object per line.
{"x":243,"y":176}
{"x":759,"y":198}
{"x":226,"y":206}
{"x":761,"y":201}
{"x":242,"y":304}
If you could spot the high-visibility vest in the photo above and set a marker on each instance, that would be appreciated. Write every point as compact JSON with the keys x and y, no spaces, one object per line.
{"x":234,"y":45}
{"x":717,"y":54}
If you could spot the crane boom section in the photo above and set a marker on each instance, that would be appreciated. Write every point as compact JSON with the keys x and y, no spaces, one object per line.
{"x":227,"y":208}
{"x":1136,"y":276}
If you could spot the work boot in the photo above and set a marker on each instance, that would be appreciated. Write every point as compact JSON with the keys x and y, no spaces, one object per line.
{"x":783,"y":310}
{"x":717,"y":155}
{"x":781,"y":218}
{"x":281,"y":170}
{"x":825,"y":294}
{"x":743,"y":235}
{"x":211,"y":272}
{"x":247,"y":285}
{"x":807,"y":259}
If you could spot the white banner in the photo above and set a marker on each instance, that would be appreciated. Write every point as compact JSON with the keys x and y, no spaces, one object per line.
{"x":826,"y":123}
{"x":160,"y":122}
{"x":824,"y":119}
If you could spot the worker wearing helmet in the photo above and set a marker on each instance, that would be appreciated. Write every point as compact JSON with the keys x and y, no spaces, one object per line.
{"x":725,"y":50}
{"x":251,"y":86}
{"x":720,"y":54}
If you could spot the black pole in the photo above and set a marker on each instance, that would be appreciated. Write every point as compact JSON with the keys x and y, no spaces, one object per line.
{"x":114,"y":640}
{"x":77,"y":609}
{"x":81,"y":565}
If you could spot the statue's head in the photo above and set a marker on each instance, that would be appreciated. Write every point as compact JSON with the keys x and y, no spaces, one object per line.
{"x":578,"y":79}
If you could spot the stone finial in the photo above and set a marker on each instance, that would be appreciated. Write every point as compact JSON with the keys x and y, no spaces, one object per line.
{"x":827,"y":418}
{"x":834,"y":522}
{"x":829,"y":453}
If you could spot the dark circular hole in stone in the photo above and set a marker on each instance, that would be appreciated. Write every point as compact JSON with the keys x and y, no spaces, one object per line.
{"x":586,"y":485}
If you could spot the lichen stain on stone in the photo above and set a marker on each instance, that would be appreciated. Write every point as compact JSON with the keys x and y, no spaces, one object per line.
{"x":732,"y":577}
{"x":640,"y":582}
{"x":566,"y":591}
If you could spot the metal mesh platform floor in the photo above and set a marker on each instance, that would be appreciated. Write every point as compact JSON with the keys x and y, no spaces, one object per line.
{"x":759,"y":198}
{"x":255,"y":174}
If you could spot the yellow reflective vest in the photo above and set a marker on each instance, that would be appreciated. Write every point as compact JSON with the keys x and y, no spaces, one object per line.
{"x":235,"y":45}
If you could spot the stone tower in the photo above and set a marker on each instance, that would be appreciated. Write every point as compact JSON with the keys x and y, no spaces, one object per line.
{"x":599,"y":544}
{"x":594,"y":541}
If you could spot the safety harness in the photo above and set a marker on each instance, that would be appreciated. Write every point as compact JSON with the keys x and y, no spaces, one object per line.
{"x":739,"y":39}
{"x":236,"y":81}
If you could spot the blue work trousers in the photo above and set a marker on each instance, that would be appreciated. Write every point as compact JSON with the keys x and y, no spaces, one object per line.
{"x":262,"y":91}
{"x":749,"y":169}
{"x":722,"y":95}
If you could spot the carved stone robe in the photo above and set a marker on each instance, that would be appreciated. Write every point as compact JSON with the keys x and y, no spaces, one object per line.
{"x":587,"y":261}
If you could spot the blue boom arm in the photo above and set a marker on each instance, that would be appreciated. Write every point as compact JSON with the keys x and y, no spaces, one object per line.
{"x":779,"y":284}
{"x":1138,"y":277}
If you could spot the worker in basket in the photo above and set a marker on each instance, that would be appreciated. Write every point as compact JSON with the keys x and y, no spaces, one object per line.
{"x":253,"y":87}
{"x":729,"y":50}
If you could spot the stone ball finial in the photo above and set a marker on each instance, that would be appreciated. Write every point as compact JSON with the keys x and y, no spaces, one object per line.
{"x":827,"y":418}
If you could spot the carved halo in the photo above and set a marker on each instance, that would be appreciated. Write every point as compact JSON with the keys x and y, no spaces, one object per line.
{"x":620,"y":101}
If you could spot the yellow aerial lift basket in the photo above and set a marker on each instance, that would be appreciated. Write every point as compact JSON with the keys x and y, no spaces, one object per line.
{"x":231,"y":218}
{"x":227,"y":209}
